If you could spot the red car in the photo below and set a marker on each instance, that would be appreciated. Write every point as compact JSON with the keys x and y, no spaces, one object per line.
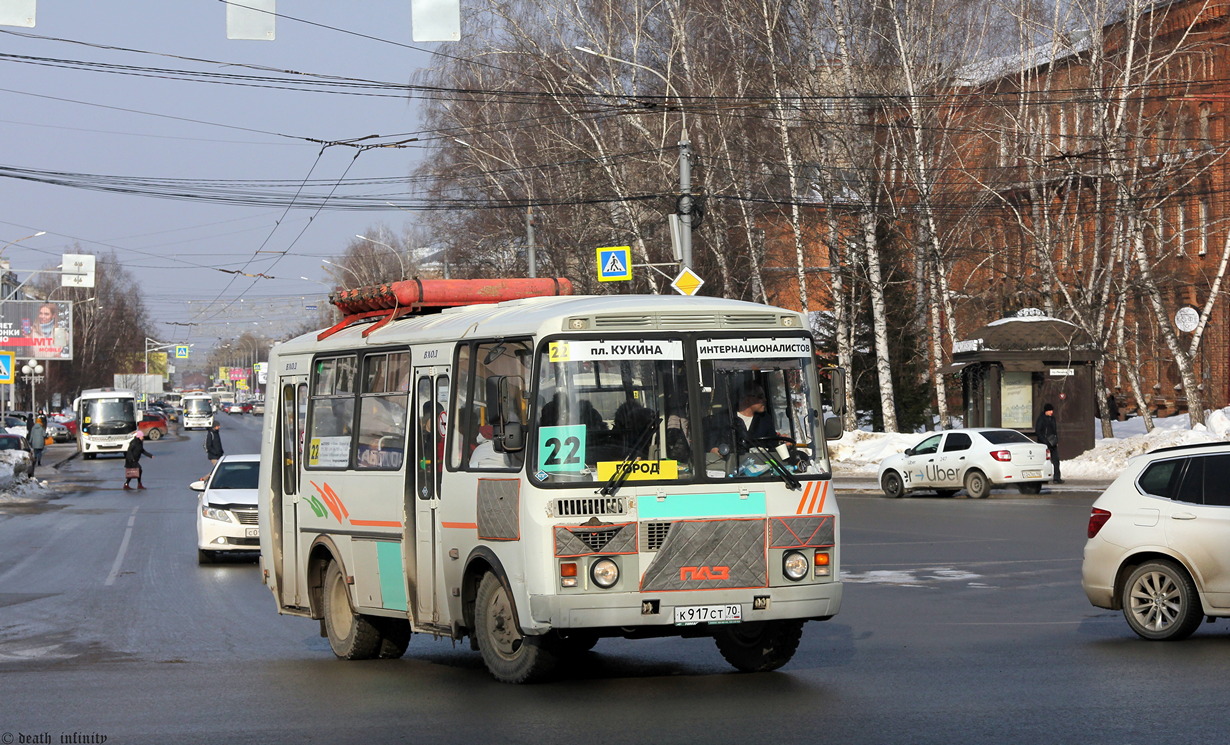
{"x":153,"y":425}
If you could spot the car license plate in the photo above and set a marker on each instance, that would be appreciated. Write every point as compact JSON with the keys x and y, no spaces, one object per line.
{"x":252,"y":532}
{"x":1031,"y":474}
{"x":690,"y":615}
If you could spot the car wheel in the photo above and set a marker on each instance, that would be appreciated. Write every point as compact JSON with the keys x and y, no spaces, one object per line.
{"x":758,"y":647}
{"x":892,"y":485}
{"x":1034,"y":488}
{"x":976,"y":485}
{"x":509,"y":656}
{"x":155,"y":434}
{"x":351,"y":636}
{"x":1160,"y":602}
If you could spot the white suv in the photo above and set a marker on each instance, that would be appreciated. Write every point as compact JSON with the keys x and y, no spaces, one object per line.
{"x":1158,"y":539}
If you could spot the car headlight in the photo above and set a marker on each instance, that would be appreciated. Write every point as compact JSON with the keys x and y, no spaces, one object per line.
{"x":795,"y":566}
{"x":604,"y":573}
{"x":213,"y":513}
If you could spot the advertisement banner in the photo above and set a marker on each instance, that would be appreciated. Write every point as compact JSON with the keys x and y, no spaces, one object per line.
{"x":37,"y":329}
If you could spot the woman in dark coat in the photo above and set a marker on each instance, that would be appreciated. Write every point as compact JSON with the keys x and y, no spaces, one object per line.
{"x":132,"y":459}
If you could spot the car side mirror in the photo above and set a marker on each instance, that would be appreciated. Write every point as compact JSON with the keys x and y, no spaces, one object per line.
{"x":197,"y":485}
{"x":909,"y":451}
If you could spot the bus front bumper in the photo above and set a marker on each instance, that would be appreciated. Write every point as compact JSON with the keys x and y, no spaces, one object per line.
{"x":628,"y":610}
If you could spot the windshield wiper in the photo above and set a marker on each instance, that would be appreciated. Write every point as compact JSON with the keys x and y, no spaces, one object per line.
{"x":779,"y":468}
{"x":624,"y":470}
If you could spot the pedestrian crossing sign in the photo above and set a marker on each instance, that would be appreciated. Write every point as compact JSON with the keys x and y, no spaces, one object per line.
{"x":6,"y":366}
{"x":181,"y":352}
{"x":614,"y":263}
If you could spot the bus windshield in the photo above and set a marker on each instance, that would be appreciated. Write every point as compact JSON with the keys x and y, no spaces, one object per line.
{"x":108,"y":416}
{"x":199,"y":406}
{"x":640,"y":409}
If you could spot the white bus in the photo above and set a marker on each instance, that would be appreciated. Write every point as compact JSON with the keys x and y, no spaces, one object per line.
{"x":198,"y":410}
{"x":106,"y":420}
{"x":539,"y":473}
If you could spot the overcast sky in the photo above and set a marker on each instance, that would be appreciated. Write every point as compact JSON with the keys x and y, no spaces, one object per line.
{"x":97,"y":126}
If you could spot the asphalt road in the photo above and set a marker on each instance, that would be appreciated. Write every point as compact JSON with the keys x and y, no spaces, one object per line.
{"x":963,"y":622}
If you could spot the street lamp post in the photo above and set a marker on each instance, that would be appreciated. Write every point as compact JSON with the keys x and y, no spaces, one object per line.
{"x":32,"y":371}
{"x":345,"y":268}
{"x":400,"y":263}
{"x":685,"y":159}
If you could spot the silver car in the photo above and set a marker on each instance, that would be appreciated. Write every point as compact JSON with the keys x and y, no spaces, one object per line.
{"x":1158,"y":538}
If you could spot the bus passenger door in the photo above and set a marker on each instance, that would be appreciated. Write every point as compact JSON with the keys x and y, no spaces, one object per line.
{"x":430,"y":425}
{"x":291,"y":413}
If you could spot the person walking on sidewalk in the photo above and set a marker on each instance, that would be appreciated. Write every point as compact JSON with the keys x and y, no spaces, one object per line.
{"x":37,"y":437}
{"x":213,"y":443}
{"x":132,"y":460}
{"x":1047,"y":433}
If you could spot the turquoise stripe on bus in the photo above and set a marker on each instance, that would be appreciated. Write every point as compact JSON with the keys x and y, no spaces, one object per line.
{"x":650,"y":507}
{"x":392,"y":579}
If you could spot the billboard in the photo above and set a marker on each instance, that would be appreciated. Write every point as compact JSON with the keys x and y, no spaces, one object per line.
{"x":37,"y":329}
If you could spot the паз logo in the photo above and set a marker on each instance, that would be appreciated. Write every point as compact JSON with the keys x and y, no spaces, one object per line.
{"x":693,"y":573}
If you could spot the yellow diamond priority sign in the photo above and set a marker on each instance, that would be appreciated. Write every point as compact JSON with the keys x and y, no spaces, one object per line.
{"x":688,"y":282}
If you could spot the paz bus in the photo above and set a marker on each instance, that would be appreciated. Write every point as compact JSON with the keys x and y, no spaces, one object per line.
{"x":106,"y":420}
{"x":198,"y":410}
{"x":504,"y":461}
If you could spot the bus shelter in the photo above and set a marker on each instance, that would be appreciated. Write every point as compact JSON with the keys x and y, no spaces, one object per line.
{"x":1014,"y":366}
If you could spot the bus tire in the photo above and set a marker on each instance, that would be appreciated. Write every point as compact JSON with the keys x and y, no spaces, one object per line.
{"x":510,"y":657}
{"x":759,"y":646}
{"x":351,"y":636}
{"x":394,"y":638}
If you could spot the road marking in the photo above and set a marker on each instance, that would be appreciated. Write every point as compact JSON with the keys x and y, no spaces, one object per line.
{"x":119,"y":557}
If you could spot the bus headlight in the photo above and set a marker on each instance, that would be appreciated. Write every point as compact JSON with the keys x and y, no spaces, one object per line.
{"x":795,"y":566}
{"x":604,"y":573}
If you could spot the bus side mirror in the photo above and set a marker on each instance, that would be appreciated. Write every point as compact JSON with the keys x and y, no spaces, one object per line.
{"x":837,"y":391}
{"x":832,"y":428}
{"x":508,"y":431}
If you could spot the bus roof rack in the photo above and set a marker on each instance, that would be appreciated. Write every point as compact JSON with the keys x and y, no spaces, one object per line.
{"x":392,"y":300}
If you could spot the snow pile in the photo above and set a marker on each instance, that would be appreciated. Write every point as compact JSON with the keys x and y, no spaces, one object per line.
{"x":860,"y":453}
{"x":15,"y":488}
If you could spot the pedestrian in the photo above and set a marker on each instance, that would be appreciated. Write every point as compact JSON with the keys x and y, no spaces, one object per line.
{"x":213,"y":443}
{"x":132,"y":460}
{"x":1047,"y":433}
{"x":38,"y":440}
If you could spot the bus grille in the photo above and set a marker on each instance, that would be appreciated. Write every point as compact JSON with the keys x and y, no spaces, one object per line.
{"x":709,"y":555}
{"x":654,"y":535}
{"x":578,"y":506}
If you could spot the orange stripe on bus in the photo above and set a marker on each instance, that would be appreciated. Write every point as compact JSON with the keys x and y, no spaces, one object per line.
{"x":459,"y":525}
{"x":824,"y":494}
{"x":377,"y":523}
{"x":803,"y":500}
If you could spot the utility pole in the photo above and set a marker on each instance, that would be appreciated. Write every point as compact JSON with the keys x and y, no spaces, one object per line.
{"x":685,"y":201}
{"x":530,"y":258}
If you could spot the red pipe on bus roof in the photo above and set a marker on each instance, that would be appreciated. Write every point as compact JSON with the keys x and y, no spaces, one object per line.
{"x":445,"y":293}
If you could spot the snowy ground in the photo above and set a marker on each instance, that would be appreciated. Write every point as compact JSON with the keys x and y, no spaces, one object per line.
{"x":14,"y":488}
{"x":860,"y":453}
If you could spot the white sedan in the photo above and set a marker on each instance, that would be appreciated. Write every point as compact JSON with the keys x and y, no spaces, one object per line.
{"x":226,"y":510}
{"x":976,"y":460}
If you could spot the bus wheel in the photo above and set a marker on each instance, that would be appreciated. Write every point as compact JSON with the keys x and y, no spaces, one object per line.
{"x":759,"y":646}
{"x":352,"y":636}
{"x":509,"y":656}
{"x":394,"y":638}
